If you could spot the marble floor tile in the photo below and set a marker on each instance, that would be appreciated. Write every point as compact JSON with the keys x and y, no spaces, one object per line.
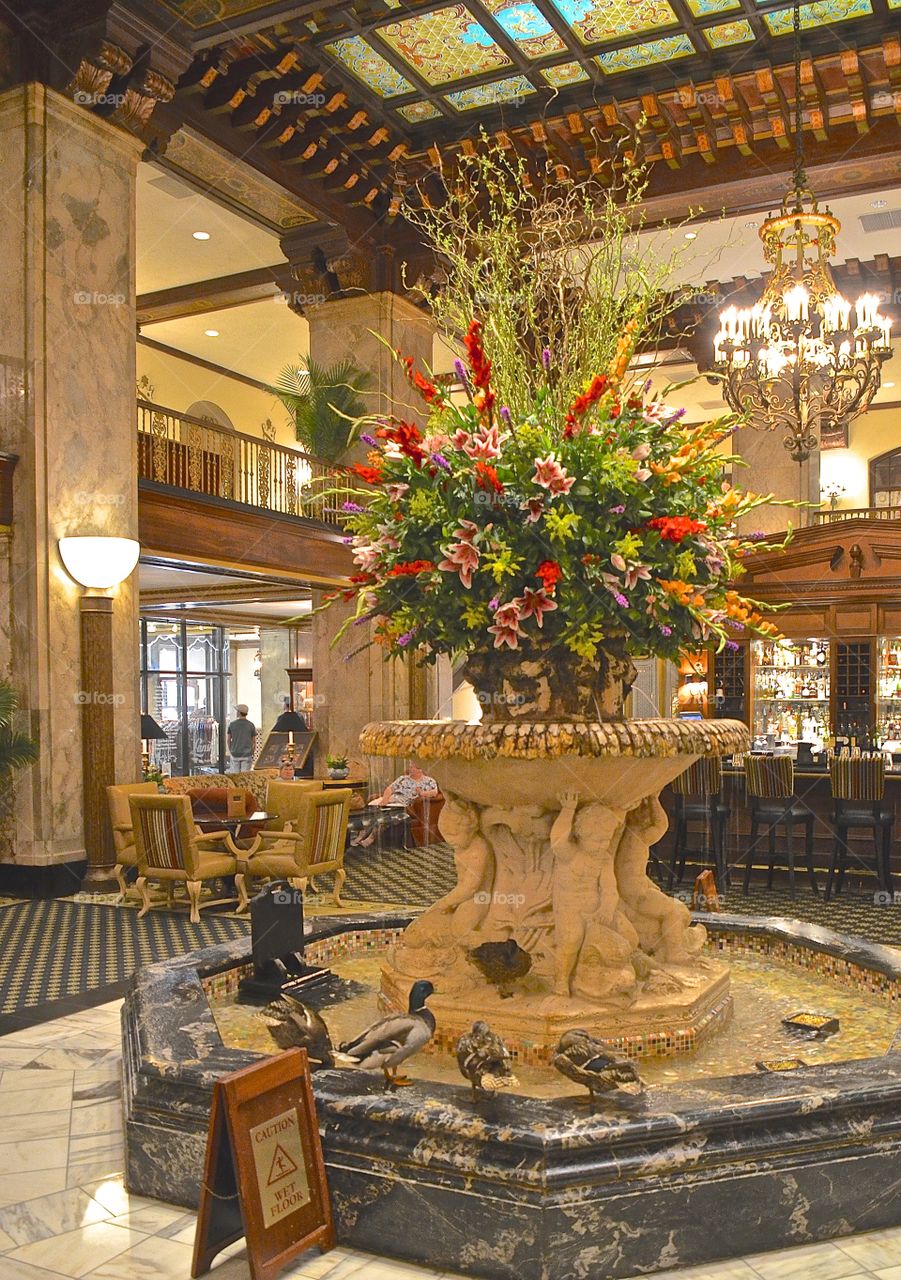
{"x":17,"y":1056}
{"x":15,"y":1269}
{"x":76,"y":1253}
{"x":97,"y":1146}
{"x":25,"y":1125}
{"x":15,"y":1102}
{"x":888,"y":1273}
{"x":50,"y":1215}
{"x":730,"y":1269}
{"x":156,"y":1218}
{"x":27,"y":1081}
{"x":824,"y":1261}
{"x":62,"y":1057}
{"x":104,"y":1118}
{"x":98,"y":1170}
{"x":874,"y":1250}
{"x":32,"y":1157}
{"x":85,"y":1093}
{"x":16,"y":1188}
{"x":152,"y":1259}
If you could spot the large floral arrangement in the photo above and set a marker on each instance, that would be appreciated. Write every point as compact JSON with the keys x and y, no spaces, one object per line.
{"x":597,"y":518}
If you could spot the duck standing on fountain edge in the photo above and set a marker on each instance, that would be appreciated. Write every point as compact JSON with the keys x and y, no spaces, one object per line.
{"x":387,"y":1043}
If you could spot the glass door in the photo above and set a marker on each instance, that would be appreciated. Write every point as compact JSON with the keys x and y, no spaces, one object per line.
{"x":184,"y":673}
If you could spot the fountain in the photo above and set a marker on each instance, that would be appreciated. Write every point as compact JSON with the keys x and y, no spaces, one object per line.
{"x":551,"y":825}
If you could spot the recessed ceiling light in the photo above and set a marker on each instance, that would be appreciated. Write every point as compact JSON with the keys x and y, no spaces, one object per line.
{"x":211,"y":333}
{"x":201,"y":235}
{"x":752,"y":226}
{"x":879,"y":204}
{"x":691,"y":235}
{"x":888,"y":384}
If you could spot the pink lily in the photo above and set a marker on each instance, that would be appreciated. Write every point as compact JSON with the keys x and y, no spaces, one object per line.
{"x":462,"y":558}
{"x":396,"y":491}
{"x":484,"y":444}
{"x":552,"y":476}
{"x":535,"y":508}
{"x":534,"y":603}
{"x":641,"y":451}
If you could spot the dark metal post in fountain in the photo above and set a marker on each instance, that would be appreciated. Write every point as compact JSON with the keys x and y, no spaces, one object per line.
{"x":277,"y":944}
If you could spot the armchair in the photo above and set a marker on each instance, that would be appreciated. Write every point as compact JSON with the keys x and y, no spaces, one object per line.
{"x":171,"y":850}
{"x":123,"y":832}
{"x":314,"y":847}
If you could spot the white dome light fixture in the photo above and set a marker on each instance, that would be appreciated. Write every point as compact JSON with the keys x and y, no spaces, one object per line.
{"x":99,"y":563}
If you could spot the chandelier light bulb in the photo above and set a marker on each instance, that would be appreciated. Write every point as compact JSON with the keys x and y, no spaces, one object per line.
{"x":797,"y":301}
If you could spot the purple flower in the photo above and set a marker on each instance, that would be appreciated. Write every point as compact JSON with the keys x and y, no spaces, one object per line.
{"x":666,"y":631}
{"x":546,"y":358}
{"x":405,"y":639}
{"x":351,"y":506}
{"x":493,"y":603}
{"x":621,"y":600}
{"x":674,"y":417}
{"x":646,"y":386}
{"x":370,"y":440}
{"x":617,"y":511}
{"x":440,"y":461}
{"x":757,"y":536}
{"x":460,"y":370}
{"x":506,"y":415}
{"x":348,"y":542}
{"x":732,"y":644}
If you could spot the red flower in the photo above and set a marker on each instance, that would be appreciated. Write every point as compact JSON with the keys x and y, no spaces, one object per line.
{"x":480,"y":366}
{"x":362,"y":577}
{"x":486,"y":477}
{"x":583,"y":403}
{"x":372,"y":475}
{"x":407,"y":436}
{"x":550,"y":574}
{"x":676,"y":528}
{"x":410,"y":568}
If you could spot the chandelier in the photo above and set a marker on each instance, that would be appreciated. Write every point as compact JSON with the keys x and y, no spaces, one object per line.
{"x":802,"y":357}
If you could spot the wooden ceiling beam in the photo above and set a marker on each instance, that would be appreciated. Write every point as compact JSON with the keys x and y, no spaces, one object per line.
{"x":213,"y":295}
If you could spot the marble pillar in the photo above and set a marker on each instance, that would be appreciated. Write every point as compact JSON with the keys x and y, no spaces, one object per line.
{"x":354,"y":684}
{"x":275,"y":684}
{"x":67,"y":354}
{"x":771,"y":469}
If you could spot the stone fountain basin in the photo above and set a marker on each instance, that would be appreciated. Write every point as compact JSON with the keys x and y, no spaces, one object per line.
{"x":524,"y":1189}
{"x":618,"y":763}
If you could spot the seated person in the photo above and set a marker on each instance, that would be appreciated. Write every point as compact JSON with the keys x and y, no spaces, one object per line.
{"x":413,"y":782}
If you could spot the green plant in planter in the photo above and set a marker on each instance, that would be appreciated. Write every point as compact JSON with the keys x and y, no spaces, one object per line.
{"x":17,"y":750}
{"x":336,"y":762}
{"x":324,"y":401}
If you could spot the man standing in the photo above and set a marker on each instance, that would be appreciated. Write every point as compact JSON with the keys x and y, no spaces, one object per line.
{"x":242,"y":741}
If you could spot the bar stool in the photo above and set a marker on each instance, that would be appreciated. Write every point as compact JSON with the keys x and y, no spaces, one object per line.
{"x":858,"y":803}
{"x":771,"y":787}
{"x":697,"y":793}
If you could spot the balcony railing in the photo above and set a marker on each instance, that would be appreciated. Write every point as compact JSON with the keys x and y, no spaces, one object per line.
{"x":185,"y":453}
{"x":841,"y":514}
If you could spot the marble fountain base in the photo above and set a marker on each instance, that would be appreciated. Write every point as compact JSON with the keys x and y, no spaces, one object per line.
{"x":554,"y":922}
{"x":520,"y":1188}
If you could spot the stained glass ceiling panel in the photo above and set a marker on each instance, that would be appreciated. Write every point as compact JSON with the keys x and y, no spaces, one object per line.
{"x":728,"y":33}
{"x":569,"y":73}
{"x":416,"y":112}
{"x":704,"y":8}
{"x":643,"y":55}
{"x":597,"y":20}
{"x":511,"y":91}
{"x":369,"y":66}
{"x":447,"y":44}
{"x":528,"y":26}
{"x":818,"y":14}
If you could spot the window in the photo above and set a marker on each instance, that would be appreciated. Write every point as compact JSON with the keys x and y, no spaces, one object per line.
{"x":885,"y":480}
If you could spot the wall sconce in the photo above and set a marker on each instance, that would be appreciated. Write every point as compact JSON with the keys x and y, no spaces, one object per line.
{"x":98,"y":564}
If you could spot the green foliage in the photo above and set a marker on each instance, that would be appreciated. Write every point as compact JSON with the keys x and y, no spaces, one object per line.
{"x":561,"y":264}
{"x":17,"y":750}
{"x":324,"y":402}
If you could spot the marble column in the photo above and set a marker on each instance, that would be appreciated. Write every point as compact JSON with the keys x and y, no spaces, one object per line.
{"x":67,"y":407}
{"x":354,"y":684}
{"x":771,"y":469}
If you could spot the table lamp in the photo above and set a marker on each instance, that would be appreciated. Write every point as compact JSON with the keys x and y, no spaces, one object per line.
{"x":290,"y":722}
{"x":150,"y":732}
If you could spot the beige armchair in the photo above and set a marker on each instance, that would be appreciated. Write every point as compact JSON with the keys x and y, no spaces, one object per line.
{"x":123,"y":833}
{"x":171,"y":850}
{"x":306,"y":844}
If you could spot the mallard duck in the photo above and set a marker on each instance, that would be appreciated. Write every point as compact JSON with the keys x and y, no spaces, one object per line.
{"x":484,"y":1060}
{"x":293,"y":1025}
{"x":502,"y":963}
{"x":585,"y":1060}
{"x":390,"y":1041}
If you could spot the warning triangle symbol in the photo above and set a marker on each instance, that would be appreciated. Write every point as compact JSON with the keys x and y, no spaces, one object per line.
{"x":282,"y":1165}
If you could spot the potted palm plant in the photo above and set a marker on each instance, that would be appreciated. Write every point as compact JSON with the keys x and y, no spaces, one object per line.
{"x":17,"y":751}
{"x":324,"y":401}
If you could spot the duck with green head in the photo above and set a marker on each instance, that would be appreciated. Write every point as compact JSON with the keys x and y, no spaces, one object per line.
{"x":387,"y":1043}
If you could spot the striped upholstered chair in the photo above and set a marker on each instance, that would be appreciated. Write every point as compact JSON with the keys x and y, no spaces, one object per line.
{"x":310,"y":845}
{"x":172,"y":851}
{"x":858,"y":803}
{"x":771,"y":789}
{"x":698,"y":799}
{"x":123,"y":832}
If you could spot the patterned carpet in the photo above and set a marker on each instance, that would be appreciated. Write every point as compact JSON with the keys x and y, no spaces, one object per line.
{"x":57,"y":951}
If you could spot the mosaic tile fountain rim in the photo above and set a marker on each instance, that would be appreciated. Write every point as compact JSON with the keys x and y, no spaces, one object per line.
{"x":174,"y":993}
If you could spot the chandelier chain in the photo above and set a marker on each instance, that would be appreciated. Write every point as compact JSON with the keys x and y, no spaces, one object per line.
{"x":800,"y":173}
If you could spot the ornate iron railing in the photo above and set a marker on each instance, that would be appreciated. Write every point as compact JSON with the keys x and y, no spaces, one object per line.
{"x":182,"y":452}
{"x":840,"y":514}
